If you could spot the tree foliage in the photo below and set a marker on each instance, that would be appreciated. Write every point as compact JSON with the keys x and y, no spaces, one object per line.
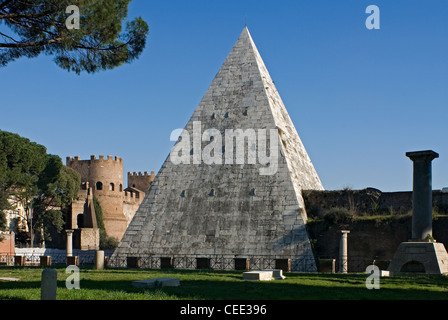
{"x":39,"y":181}
{"x":39,"y":26}
{"x":57,"y":186}
{"x":21,"y":162}
{"x":106,"y":242}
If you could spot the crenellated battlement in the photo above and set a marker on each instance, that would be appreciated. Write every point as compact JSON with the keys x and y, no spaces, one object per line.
{"x":140,"y":174}
{"x":141,"y":181}
{"x":132,"y":197}
{"x":94,"y":158}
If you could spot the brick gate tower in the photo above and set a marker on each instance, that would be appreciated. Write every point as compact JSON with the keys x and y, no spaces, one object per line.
{"x":105,"y":177}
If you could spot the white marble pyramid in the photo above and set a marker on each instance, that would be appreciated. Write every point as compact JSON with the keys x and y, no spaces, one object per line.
{"x":226,"y":210}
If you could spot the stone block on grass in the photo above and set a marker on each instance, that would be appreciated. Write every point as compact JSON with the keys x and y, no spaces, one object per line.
{"x":157,"y":282}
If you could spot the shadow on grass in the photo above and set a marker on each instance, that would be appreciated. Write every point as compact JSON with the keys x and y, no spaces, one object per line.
{"x":116,"y":284}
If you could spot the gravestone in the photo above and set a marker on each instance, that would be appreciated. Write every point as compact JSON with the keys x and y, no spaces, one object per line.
{"x":49,"y":284}
{"x":258,"y":275}
{"x":421,"y":254}
{"x":264,"y":275}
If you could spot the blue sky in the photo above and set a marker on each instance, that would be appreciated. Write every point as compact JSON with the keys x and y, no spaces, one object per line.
{"x":360,"y":99}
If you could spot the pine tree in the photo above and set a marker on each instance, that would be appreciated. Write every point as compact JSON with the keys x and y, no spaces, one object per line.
{"x":44,"y":26}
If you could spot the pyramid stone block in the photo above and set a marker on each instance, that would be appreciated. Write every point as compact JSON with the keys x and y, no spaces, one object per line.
{"x":247,"y":202}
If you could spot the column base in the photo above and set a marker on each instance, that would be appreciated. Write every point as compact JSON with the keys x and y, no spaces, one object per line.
{"x":419,"y":258}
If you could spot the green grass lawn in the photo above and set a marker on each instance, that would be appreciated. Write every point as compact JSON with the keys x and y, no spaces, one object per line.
{"x":115,"y":284}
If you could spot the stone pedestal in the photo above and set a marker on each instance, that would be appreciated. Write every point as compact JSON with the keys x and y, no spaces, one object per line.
{"x":99,"y":260}
{"x":421,"y":254}
{"x":420,"y":257}
{"x":422,"y":194}
{"x":45,"y":261}
{"x":73,"y":261}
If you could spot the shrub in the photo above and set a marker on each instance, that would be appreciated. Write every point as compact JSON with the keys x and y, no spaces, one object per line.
{"x":338,"y":216}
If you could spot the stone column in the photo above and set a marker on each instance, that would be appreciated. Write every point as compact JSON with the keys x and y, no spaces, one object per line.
{"x":343,"y":261}
{"x":422,"y":194}
{"x":69,"y":242}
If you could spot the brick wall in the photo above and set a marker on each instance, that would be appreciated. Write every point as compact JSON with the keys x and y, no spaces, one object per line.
{"x":7,"y":244}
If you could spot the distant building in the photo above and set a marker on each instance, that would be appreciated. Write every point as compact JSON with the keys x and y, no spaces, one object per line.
{"x":16,"y":217}
{"x":103,"y":179}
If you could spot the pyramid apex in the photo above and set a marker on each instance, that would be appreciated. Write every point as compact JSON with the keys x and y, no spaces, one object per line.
{"x":245,"y":32}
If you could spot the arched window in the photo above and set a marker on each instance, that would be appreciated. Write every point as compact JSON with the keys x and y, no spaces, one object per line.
{"x":99,"y":185}
{"x":121,"y":187}
{"x":111,"y":187}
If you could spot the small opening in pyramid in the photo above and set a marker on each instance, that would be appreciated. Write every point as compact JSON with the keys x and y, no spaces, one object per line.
{"x":226,"y":115}
{"x":252,"y":192}
{"x":213,"y":116}
{"x":245,"y":113}
{"x":182,"y":194}
{"x":212,"y":193}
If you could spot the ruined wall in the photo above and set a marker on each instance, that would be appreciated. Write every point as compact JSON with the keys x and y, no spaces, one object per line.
{"x":368,"y":240}
{"x":367,"y":202}
{"x":378,"y":223}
